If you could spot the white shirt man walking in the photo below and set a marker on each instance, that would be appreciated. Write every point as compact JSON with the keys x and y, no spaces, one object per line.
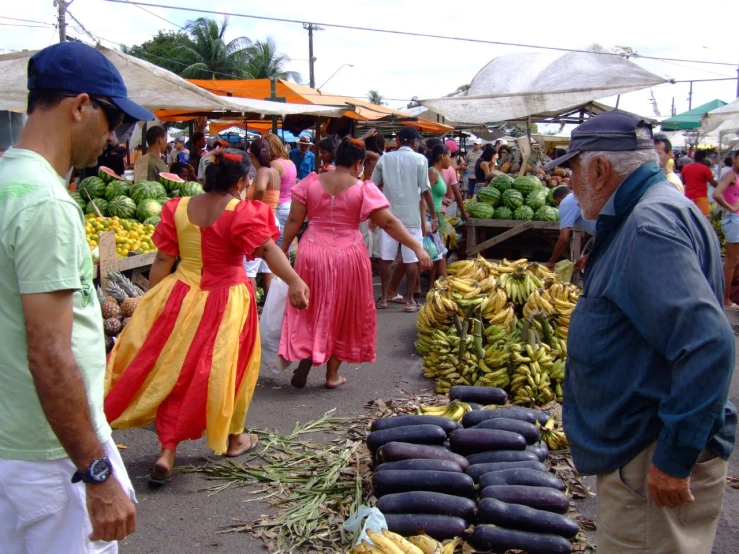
{"x":403,"y":176}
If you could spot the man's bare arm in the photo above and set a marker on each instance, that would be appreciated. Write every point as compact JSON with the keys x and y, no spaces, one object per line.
{"x":56,"y":376}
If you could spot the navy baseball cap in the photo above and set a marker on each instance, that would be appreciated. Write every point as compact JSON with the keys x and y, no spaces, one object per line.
{"x":77,"y":67}
{"x":613,"y":131}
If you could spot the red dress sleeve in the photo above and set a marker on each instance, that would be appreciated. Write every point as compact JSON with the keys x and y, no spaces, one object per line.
{"x":253,"y":223}
{"x":300,"y":191}
{"x":165,"y":235}
{"x":372,"y":200}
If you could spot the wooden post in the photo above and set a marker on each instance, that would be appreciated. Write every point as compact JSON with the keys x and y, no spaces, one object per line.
{"x":108,"y":257}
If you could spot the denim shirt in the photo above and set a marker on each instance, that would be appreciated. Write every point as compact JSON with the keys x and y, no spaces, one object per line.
{"x":304,"y":164}
{"x":650,"y":351}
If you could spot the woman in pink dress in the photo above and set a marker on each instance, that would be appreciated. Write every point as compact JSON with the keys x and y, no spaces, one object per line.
{"x":339,"y":324}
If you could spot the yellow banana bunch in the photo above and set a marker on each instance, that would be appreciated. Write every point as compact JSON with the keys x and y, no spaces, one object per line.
{"x":454,"y":410}
{"x":539,"y":301}
{"x":426,"y":544}
{"x":540,"y":271}
{"x":392,"y":543}
{"x":530,"y":382}
{"x":365,"y":548}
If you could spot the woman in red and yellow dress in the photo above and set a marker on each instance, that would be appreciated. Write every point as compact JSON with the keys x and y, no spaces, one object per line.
{"x":189,"y":358}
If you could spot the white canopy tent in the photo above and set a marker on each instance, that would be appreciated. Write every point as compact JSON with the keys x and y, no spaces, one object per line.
{"x":527,"y":84}
{"x":155,"y":89}
{"x":725,"y":118}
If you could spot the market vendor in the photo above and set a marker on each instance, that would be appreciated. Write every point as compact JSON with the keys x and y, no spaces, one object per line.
{"x":569,"y":216}
{"x":150,"y":165}
{"x":650,"y":351}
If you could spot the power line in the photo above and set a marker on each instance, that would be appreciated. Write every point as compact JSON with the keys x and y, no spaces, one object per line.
{"x":26,"y":20}
{"x":411,"y":34}
{"x":157,"y":15}
{"x":26,"y":25}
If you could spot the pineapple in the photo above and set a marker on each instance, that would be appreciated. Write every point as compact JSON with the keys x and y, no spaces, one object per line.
{"x":112,"y":327}
{"x":125,"y":292}
{"x":110,"y":309}
{"x":129,"y":306}
{"x":126,"y":321}
{"x":109,"y":343}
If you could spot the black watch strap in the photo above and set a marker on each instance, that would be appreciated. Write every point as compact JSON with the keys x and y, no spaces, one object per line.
{"x":99,"y":471}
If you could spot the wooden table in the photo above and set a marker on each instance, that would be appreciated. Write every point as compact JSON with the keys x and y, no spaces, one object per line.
{"x":136,"y":264}
{"x":535,"y":235}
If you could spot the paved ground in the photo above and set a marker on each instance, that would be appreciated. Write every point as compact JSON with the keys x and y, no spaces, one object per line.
{"x":182,"y":519}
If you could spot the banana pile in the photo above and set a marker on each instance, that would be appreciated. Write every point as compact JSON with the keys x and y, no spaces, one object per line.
{"x":554,"y":438}
{"x":500,"y":325}
{"x":392,"y":543}
{"x":454,"y":410}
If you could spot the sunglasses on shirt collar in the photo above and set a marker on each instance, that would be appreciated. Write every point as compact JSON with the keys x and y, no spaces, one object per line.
{"x":113,"y":113}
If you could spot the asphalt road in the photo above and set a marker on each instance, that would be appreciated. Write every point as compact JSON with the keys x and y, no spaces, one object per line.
{"x":183,"y":519}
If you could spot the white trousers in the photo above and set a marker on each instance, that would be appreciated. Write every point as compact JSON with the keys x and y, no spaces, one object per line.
{"x":43,"y":512}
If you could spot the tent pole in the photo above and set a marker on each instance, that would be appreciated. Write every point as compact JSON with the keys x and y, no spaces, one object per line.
{"x":618,"y":99}
{"x":143,"y":138}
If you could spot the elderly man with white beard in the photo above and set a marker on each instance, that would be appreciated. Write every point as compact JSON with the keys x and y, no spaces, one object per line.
{"x":651,"y":353}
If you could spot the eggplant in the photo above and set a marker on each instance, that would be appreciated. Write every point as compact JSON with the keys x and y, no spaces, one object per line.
{"x":426,"y":502}
{"x":414,"y":434}
{"x":404,"y":420}
{"x":496,"y":456}
{"x":394,"y":451}
{"x":521,"y":476}
{"x":541,"y":498}
{"x":475,"y":405}
{"x":394,"y":481}
{"x":470,"y":419}
{"x":487,"y":396}
{"x":478,"y":470}
{"x":523,"y":428}
{"x":435,"y":526}
{"x":490,"y":538}
{"x":422,"y":465}
{"x":540,"y":449}
{"x":473,"y":441}
{"x":524,"y":518}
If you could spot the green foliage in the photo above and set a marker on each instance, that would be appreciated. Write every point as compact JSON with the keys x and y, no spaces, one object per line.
{"x":265,"y":62}
{"x":374,"y":97}
{"x":160,"y":50}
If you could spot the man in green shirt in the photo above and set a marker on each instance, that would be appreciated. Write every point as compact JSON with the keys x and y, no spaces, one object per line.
{"x":150,"y":165}
{"x":63,"y":487}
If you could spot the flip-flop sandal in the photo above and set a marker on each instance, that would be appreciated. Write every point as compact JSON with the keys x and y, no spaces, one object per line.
{"x":253,"y":443}
{"x":157,"y":482}
{"x":411,"y":309}
{"x":300,"y":375}
{"x":377,"y":304}
{"x":397,"y":299}
{"x":341,"y":383}
{"x":731,"y":307}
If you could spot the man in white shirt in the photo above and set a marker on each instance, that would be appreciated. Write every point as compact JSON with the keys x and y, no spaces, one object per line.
{"x":403,"y":176}
{"x":569,"y":216}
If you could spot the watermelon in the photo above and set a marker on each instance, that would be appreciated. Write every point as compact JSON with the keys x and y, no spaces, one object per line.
{"x":170,"y":181}
{"x":480,"y":210}
{"x":547,"y":213}
{"x":147,"y":190}
{"x":107,"y":175}
{"x":489,"y":195}
{"x":117,"y":188}
{"x":523,"y":213}
{"x":503,"y":213}
{"x":79,"y":200}
{"x":550,"y":196}
{"x":173,"y":193}
{"x":148,"y":208}
{"x":512,"y":199}
{"x":191,"y":188}
{"x":92,"y":187}
{"x":525,"y":185}
{"x":536,"y":199}
{"x":123,"y":207}
{"x":502,"y":182}
{"x":102,"y":206}
{"x":153,"y":220}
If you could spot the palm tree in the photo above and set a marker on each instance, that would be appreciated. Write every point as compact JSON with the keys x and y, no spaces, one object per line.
{"x":208,"y":55}
{"x":375,"y":98}
{"x":265,"y":62}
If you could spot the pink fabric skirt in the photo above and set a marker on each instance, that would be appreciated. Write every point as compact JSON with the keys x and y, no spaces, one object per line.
{"x":340,"y":320}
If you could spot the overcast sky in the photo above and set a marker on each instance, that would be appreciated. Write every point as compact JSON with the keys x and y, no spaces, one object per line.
{"x":401,"y":67}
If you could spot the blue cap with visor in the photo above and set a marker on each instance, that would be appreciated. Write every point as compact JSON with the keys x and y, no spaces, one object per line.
{"x":77,"y":67}
{"x":613,"y":131}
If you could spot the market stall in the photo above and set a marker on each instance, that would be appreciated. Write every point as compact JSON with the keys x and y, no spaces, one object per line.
{"x":519,"y":236}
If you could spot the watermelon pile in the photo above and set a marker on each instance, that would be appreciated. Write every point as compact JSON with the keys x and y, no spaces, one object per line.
{"x":92,"y":187}
{"x":547,"y":213}
{"x":191,"y":188}
{"x":481,"y":210}
{"x":502,"y":182}
{"x":537,"y":199}
{"x":503,"y":213}
{"x":526,"y":184}
{"x":512,"y":198}
{"x":523,"y":213}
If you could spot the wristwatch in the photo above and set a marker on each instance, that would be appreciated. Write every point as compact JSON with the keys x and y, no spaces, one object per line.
{"x":99,"y":471}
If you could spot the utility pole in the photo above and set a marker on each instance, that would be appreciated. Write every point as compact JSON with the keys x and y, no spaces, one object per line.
{"x":310,"y":27}
{"x":737,"y":81}
{"x":690,"y":97}
{"x":62,"y":19}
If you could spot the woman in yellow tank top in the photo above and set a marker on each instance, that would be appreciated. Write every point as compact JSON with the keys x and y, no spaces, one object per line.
{"x":266,"y":188}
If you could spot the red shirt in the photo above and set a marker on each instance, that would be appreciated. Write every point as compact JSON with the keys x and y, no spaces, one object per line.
{"x":696,"y":176}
